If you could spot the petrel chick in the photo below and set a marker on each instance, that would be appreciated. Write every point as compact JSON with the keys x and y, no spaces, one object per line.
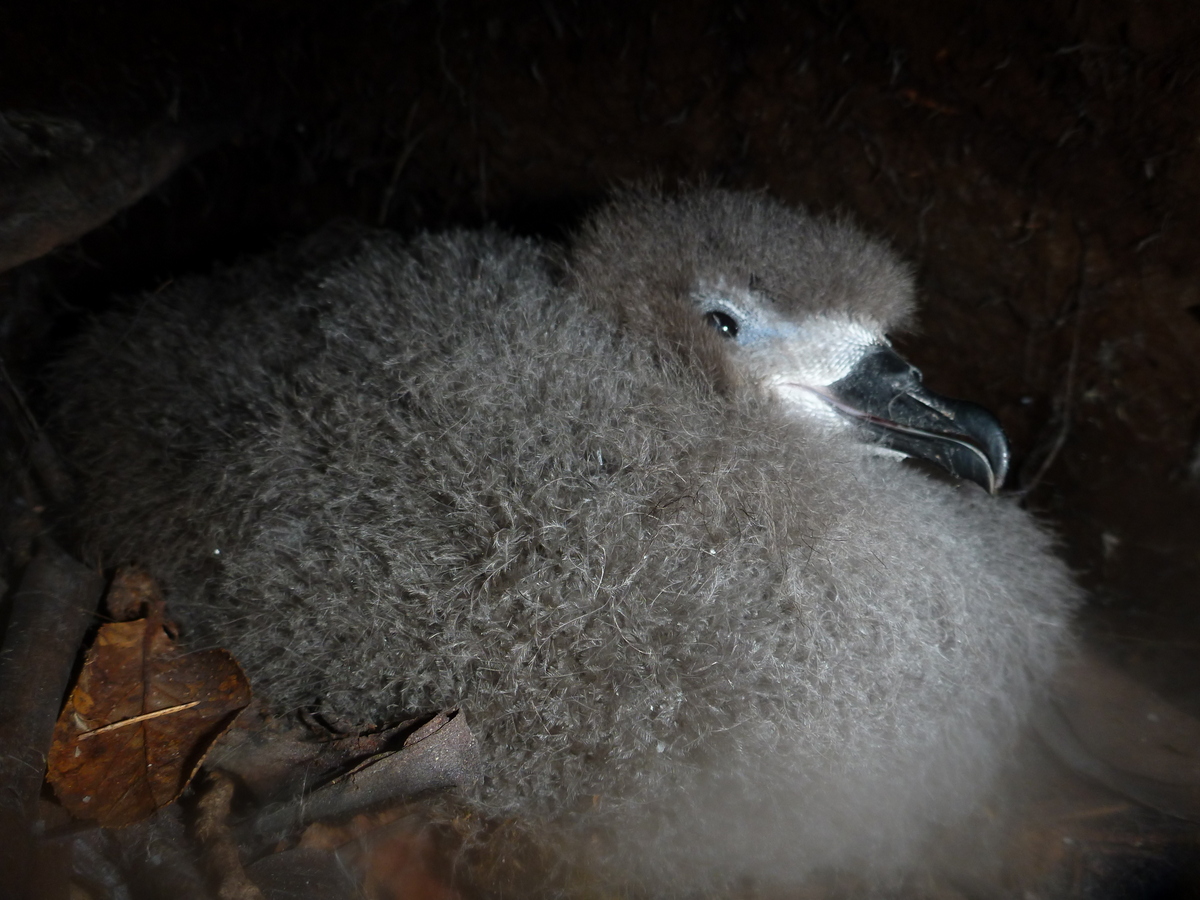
{"x":638,"y":505}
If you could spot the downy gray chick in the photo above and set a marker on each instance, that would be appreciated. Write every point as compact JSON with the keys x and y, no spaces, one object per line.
{"x":637,"y":504}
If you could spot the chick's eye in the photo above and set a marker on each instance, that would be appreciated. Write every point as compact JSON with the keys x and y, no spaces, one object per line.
{"x":724,"y":323}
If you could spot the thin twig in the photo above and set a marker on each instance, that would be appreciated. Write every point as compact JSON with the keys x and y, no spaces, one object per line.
{"x":1068,"y":398}
{"x":142,"y":718}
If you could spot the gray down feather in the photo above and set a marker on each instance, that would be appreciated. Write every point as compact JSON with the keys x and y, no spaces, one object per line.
{"x":394,"y":476}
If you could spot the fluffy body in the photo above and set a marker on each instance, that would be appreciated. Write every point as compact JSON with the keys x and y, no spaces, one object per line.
{"x":470,"y":470}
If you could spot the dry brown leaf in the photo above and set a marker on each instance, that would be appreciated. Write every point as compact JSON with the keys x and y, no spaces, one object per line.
{"x":440,"y":755}
{"x":405,"y":864}
{"x":1108,"y":727}
{"x":391,"y":853}
{"x":139,"y":721}
{"x":275,"y":760}
{"x":133,"y":593}
{"x":303,"y":874}
{"x":68,"y":180}
{"x":328,"y":836}
{"x":1127,"y":725}
{"x":213,"y":832}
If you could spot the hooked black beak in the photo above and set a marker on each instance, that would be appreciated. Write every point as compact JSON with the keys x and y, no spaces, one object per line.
{"x":884,"y":394}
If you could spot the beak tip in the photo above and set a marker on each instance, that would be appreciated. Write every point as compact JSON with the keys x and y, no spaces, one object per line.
{"x":885,"y":393}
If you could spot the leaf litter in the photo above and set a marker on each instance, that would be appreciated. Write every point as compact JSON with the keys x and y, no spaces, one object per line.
{"x":140,"y":719}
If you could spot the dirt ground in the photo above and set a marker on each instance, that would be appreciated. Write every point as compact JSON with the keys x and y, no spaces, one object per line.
{"x":1039,"y":162}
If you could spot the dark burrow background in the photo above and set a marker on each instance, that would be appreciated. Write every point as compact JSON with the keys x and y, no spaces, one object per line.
{"x":1038,"y":161}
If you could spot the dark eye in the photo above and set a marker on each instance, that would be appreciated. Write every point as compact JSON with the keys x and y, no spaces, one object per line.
{"x":724,"y":323}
